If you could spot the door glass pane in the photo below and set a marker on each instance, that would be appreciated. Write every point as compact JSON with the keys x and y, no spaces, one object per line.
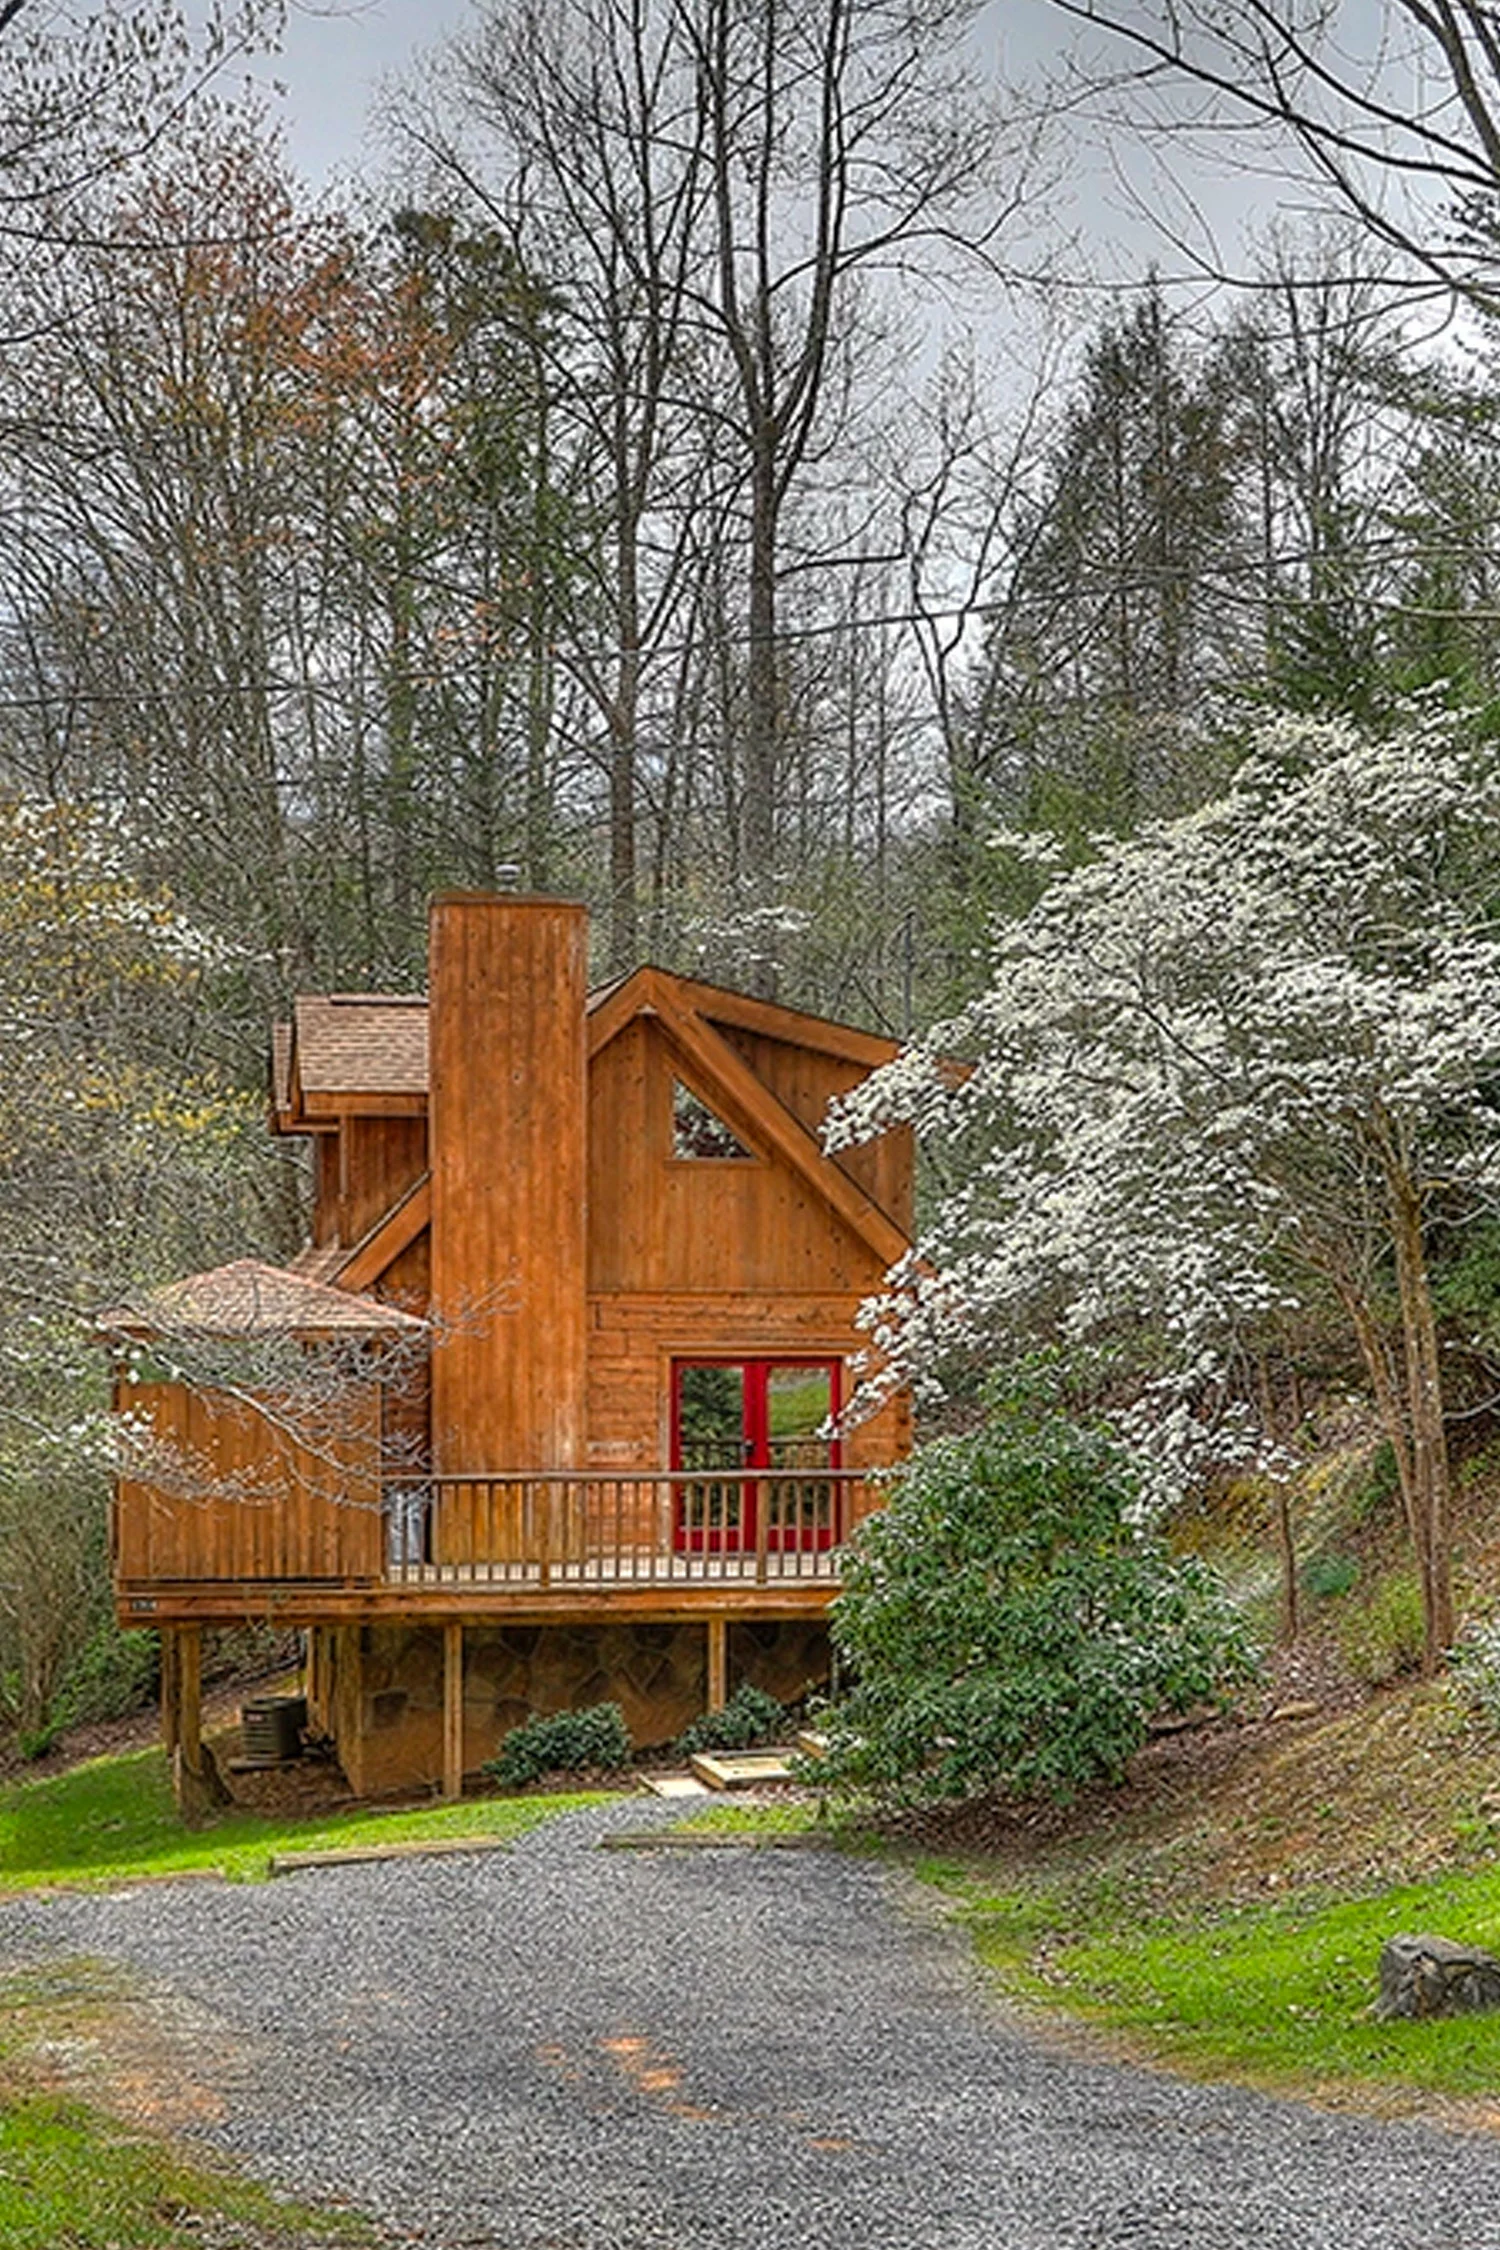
{"x":711,"y":1435}
{"x":711,"y":1417}
{"x":799,"y":1401}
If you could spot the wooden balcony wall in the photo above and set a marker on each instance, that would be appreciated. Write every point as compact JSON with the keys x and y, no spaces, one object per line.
{"x":239,"y":1496}
{"x":240,"y":1507}
{"x":626,"y":1530}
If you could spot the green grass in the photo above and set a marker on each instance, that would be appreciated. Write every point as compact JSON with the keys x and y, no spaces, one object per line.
{"x":1277,"y":1996}
{"x":726,"y":1816}
{"x":67,"y":2177}
{"x":115,"y":1818}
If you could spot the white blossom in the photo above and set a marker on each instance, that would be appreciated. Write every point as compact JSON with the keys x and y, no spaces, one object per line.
{"x":1165,"y":1108}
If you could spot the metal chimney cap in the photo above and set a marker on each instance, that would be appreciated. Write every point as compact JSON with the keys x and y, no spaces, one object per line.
{"x":508,"y":877}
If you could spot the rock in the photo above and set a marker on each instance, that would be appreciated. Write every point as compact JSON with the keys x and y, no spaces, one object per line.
{"x":1431,"y":1976}
{"x":1302,"y":1708}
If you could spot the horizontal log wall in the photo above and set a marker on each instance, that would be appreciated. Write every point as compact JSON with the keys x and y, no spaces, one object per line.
{"x":633,"y":1341}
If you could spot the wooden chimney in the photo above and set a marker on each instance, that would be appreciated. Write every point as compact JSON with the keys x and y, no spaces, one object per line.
{"x":507,"y":1121}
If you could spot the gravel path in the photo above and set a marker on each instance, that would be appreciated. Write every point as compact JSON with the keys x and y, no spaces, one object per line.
{"x":564,"y":2048}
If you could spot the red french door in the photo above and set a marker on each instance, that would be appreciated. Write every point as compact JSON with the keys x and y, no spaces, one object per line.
{"x":752,"y":1435}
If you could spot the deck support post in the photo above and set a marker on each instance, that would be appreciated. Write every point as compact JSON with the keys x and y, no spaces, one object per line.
{"x":453,"y":1710}
{"x":171,"y":1705}
{"x":718,"y":1663}
{"x":196,"y":1782}
{"x":190,"y":1697}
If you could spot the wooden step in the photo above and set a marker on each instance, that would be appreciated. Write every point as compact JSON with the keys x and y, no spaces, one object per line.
{"x":741,"y":1769}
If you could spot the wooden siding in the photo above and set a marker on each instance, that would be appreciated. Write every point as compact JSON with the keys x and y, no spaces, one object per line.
{"x":407,"y":1281}
{"x":658,"y":1223}
{"x":508,"y":1113}
{"x":243,"y":1499}
{"x":361,"y":1170}
{"x":380,"y":1158}
{"x":805,"y":1080}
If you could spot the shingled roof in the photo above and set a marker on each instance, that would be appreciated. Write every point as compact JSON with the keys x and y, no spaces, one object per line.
{"x":250,"y":1298}
{"x":361,"y":1043}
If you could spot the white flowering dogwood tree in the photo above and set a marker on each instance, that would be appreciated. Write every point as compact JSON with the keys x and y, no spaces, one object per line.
{"x":1243,"y":1059}
{"x":119,"y":1140}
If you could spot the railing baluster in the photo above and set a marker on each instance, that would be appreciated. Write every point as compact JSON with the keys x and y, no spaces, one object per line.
{"x":631,"y":1527}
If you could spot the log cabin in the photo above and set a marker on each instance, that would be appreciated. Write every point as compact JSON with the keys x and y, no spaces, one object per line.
{"x":557,"y":1413}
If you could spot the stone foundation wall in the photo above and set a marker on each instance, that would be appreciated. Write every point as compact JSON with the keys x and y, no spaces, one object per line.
{"x":383,"y":1693}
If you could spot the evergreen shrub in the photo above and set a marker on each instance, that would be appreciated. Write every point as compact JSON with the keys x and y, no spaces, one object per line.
{"x":596,"y":1740}
{"x":1012,"y":1621}
{"x":750,"y":1717}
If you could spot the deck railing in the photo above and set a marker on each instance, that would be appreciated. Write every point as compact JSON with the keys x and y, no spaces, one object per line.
{"x":641,"y":1528}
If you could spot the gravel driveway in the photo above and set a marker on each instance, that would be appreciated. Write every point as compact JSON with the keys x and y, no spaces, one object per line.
{"x":564,"y":2048}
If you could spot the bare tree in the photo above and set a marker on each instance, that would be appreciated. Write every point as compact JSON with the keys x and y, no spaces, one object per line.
{"x":588,"y":159}
{"x":1394,"y":111}
{"x":843,"y":147}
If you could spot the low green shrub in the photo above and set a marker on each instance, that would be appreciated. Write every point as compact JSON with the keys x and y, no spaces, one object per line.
{"x":593,"y":1741}
{"x":1327,"y":1577}
{"x":1383,"y":1639}
{"x":749,"y":1718}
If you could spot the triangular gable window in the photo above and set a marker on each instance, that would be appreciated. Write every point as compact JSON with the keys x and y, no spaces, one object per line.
{"x":697,"y":1131}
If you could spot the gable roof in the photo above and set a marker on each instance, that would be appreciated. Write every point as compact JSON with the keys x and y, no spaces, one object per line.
{"x":251,"y":1298}
{"x":613,"y":1005}
{"x":348,"y":1044}
{"x":357,"y":1048}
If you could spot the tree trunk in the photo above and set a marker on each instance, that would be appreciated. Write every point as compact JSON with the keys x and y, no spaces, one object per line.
{"x":763,"y":716}
{"x":1406,"y":1378}
{"x":1431,"y":1485}
{"x":1286,"y":1544}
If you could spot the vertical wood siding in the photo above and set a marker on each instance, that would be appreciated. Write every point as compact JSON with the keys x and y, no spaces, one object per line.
{"x":508,"y":1116}
{"x":238,"y":1497}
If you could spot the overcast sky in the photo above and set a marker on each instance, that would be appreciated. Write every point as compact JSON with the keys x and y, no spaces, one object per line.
{"x":337,"y":52}
{"x":332,"y":62}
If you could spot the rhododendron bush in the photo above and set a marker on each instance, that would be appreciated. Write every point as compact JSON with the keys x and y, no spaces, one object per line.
{"x":1011,"y":1624}
{"x":1235,"y":1062}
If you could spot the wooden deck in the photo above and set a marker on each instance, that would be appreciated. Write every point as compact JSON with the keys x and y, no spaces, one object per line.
{"x":645,"y":1545}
